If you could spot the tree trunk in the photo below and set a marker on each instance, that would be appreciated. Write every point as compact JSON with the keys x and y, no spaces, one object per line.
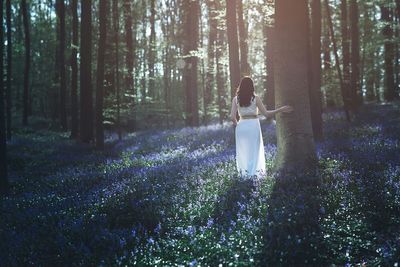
{"x":61,"y":46}
{"x":25,"y":17}
{"x":3,"y":144}
{"x":315,"y":72}
{"x":269,"y":95}
{"x":389,"y":93}
{"x":74,"y":71}
{"x":357,"y":96}
{"x":117,"y":85}
{"x":144,"y":45}
{"x":9,"y":69}
{"x":339,"y":71}
{"x":129,"y":79}
{"x":86,"y":121}
{"x":192,"y":13}
{"x":346,"y":52}
{"x":152,"y":50}
{"x":244,"y":62}
{"x":234,"y":65}
{"x":219,"y":75}
{"x":100,"y":73}
{"x":211,"y":52}
{"x":296,"y":149}
{"x":329,"y":98}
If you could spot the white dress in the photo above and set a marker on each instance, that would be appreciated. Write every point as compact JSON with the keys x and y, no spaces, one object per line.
{"x":250,"y":158}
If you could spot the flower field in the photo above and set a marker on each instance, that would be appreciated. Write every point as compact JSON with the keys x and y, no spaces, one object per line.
{"x":172,"y":198}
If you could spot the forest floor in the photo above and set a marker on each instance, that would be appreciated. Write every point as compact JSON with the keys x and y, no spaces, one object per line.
{"x":173,"y":198}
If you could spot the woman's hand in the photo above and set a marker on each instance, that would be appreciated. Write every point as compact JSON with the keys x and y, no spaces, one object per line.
{"x":286,"y":109}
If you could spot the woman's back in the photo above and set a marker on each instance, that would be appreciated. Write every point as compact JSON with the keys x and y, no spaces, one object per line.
{"x":250,"y":110}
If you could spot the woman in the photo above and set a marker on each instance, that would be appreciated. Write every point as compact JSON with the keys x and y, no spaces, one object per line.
{"x":250,"y":158}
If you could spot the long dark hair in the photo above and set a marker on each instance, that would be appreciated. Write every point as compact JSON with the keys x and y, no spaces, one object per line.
{"x":245,"y":92}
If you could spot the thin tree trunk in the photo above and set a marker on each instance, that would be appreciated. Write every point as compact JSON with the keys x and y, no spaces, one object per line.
{"x":116,"y":40}
{"x":144,"y":45}
{"x":355,"y":55}
{"x":152,"y":49}
{"x":100,"y":73}
{"x":346,"y":52}
{"x":296,"y":149}
{"x":192,"y":13}
{"x":74,"y":71}
{"x":212,"y":36}
{"x":3,"y":144}
{"x":389,"y":93}
{"x":244,"y":64}
{"x":315,"y":72}
{"x":9,"y":70}
{"x":234,"y":65}
{"x":219,"y":75}
{"x":335,"y":51}
{"x":25,"y":17}
{"x":63,"y":84}
{"x":86,"y":118}
{"x":129,"y":80}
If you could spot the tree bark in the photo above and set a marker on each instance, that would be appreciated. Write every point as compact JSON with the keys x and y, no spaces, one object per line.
{"x":220,"y":77}
{"x":244,"y":62}
{"x":192,"y":13}
{"x":315,"y":72}
{"x":116,"y":40}
{"x":25,"y":17}
{"x":74,"y":71}
{"x":234,"y":64}
{"x":129,"y":79}
{"x":346,"y":52}
{"x":211,"y":53}
{"x":3,"y":144}
{"x":152,"y":50}
{"x":9,"y":70}
{"x":389,"y":93}
{"x":61,"y":53}
{"x":86,"y":121}
{"x":296,"y":149}
{"x":357,"y":96}
{"x":100,"y":73}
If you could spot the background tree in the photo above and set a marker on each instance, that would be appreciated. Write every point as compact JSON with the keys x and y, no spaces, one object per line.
{"x":74,"y":70}
{"x":386,"y":18}
{"x":315,"y":72}
{"x":117,"y":70}
{"x":268,"y":33}
{"x":25,"y":16}
{"x":60,"y":8}
{"x":9,"y":69}
{"x":357,"y":97}
{"x":234,"y":64}
{"x":296,"y":148}
{"x":337,"y":61}
{"x":86,"y":115}
{"x":191,"y":29}
{"x":152,"y":49}
{"x":3,"y":145}
{"x":244,"y":64}
{"x":100,"y":74}
{"x":345,"y":51}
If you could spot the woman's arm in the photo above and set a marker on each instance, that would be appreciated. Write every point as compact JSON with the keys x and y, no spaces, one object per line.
{"x":234,"y":111}
{"x":270,"y":113}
